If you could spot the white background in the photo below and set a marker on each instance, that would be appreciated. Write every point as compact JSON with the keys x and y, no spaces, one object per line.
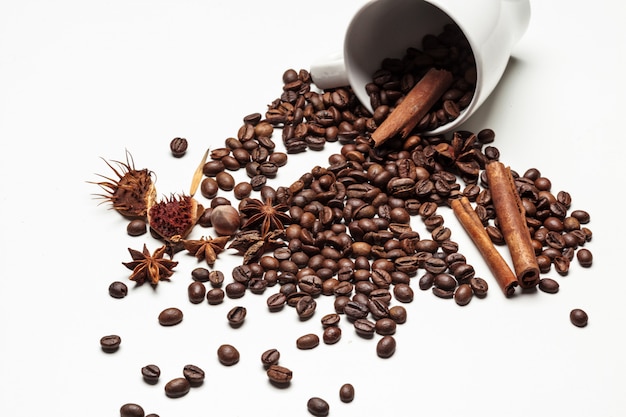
{"x":80,"y":80}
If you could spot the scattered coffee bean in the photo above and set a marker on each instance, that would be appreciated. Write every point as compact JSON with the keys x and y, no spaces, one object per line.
{"x":118,"y":289}
{"x":308,"y":341}
{"x":270,"y":357}
{"x":317,"y":406}
{"x":136,"y":227}
{"x":585,"y":258}
{"x":331,"y":335}
{"x":279,"y":375}
{"x":346,"y":393}
{"x":131,"y":410}
{"x":548,"y":285}
{"x":578,"y":317}
{"x":463,"y":294}
{"x":151,"y":373}
{"x":215,"y":296}
{"x":178,"y":146}
{"x":170,"y":316}
{"x":227,"y":355}
{"x":110,"y":343}
{"x":236,"y":316}
{"x":200,"y":274}
{"x":386,"y":347}
{"x":177,"y":387}
{"x":194,"y":374}
{"x":196,"y":291}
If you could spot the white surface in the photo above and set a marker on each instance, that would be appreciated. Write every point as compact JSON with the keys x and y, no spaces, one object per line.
{"x":80,"y":80}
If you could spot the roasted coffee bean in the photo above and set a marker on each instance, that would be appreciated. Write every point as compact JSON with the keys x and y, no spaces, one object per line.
{"x":151,"y":373}
{"x":331,"y":319}
{"x":110,"y":343}
{"x":177,"y":387}
{"x":170,"y":316}
{"x":209,"y":187}
{"x":279,"y":375}
{"x":308,"y":341}
{"x":215,"y":296}
{"x":355,"y":310}
{"x":479,"y":286}
{"x":548,"y":285}
{"x":403,"y":293}
{"x":305,"y":307}
{"x":235,"y":290}
{"x":225,"y":181}
{"x":194,"y":374}
{"x":276,"y":302}
{"x":236,"y":316}
{"x":346,"y":393}
{"x":435,"y":265}
{"x":585,"y":257}
{"x":118,"y":289}
{"x":200,"y":274}
{"x":398,"y":314}
{"x":136,"y":227}
{"x":578,"y":317}
{"x":270,"y":357}
{"x":227,"y":355}
{"x":386,"y":347}
{"x":582,"y":216}
{"x":463,"y":294}
{"x":444,"y":281}
{"x":131,"y":410}
{"x":196,"y":291}
{"x":318,"y":406}
{"x":178,"y":147}
{"x":364,"y":327}
{"x":331,"y":335}
{"x":426,"y":281}
{"x":385,"y":326}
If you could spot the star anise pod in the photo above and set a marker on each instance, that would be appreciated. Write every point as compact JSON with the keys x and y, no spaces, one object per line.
{"x":206,"y":248}
{"x":252,"y":244}
{"x":264,"y":215}
{"x":148,"y":267}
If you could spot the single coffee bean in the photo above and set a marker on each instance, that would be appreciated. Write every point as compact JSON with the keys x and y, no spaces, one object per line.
{"x":403,"y":293}
{"x":364,"y":328}
{"x":346,"y":393}
{"x":131,"y":410}
{"x":386,"y":347}
{"x":270,"y":357}
{"x":463,"y":294}
{"x":200,"y":274}
{"x":236,"y":316}
{"x":308,"y":341}
{"x":170,"y":316}
{"x":279,"y":375}
{"x":276,"y":302}
{"x":215,"y":296}
{"x":317,"y":406}
{"x":216,"y":278}
{"x":235,"y":290}
{"x":177,"y":387}
{"x":110,"y":343}
{"x":196,"y":291}
{"x":178,"y":146}
{"x":305,"y":307}
{"x":398,"y":314}
{"x":227,"y":355}
{"x":151,"y":373}
{"x":585,"y":257}
{"x":578,"y":317}
{"x":331,"y":335}
{"x":331,"y":319}
{"x":136,"y":227}
{"x":209,"y":187}
{"x":385,"y":326}
{"x":118,"y":289}
{"x":355,"y":310}
{"x":548,"y":285}
{"x":194,"y":374}
{"x":479,"y":286}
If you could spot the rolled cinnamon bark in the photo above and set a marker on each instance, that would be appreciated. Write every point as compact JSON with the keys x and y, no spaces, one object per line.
{"x":414,"y":107}
{"x":512,"y":222}
{"x":476,"y":231}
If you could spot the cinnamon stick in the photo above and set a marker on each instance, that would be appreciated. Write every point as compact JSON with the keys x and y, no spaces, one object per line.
{"x":512,"y":222}
{"x":473,"y":226}
{"x":414,"y":107}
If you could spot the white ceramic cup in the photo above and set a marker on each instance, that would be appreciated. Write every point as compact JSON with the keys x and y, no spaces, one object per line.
{"x":386,"y":28}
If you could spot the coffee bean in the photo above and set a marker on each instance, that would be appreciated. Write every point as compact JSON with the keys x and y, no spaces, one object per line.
{"x":305,"y":307}
{"x":196,"y":291}
{"x":136,"y":227}
{"x":548,"y":285}
{"x":386,"y":347}
{"x":346,"y":393}
{"x":235,"y":290}
{"x":110,"y":343}
{"x":317,"y":406}
{"x":479,"y":286}
{"x":398,"y":314}
{"x":276,"y":302}
{"x":331,"y":335}
{"x":331,"y":319}
{"x":194,"y":374}
{"x":364,"y":327}
{"x":216,"y":278}
{"x":578,"y":317}
{"x":279,"y":375}
{"x":308,"y":341}
{"x":227,"y":355}
{"x":177,"y":387}
{"x":131,"y":410}
{"x":403,"y":293}
{"x":151,"y":373}
{"x":215,"y":296}
{"x":178,"y":147}
{"x":118,"y":289}
{"x":270,"y":357}
{"x":170,"y":316}
{"x":585,"y":258}
{"x":385,"y":326}
{"x":236,"y":316}
{"x":463,"y":294}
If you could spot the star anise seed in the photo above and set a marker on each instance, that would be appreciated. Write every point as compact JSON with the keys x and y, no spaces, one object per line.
{"x":266,"y":215}
{"x":148,"y":267}
{"x":206,"y":248}
{"x":252,"y":245}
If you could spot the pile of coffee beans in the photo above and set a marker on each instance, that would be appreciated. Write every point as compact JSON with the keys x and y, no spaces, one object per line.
{"x":350,"y":235}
